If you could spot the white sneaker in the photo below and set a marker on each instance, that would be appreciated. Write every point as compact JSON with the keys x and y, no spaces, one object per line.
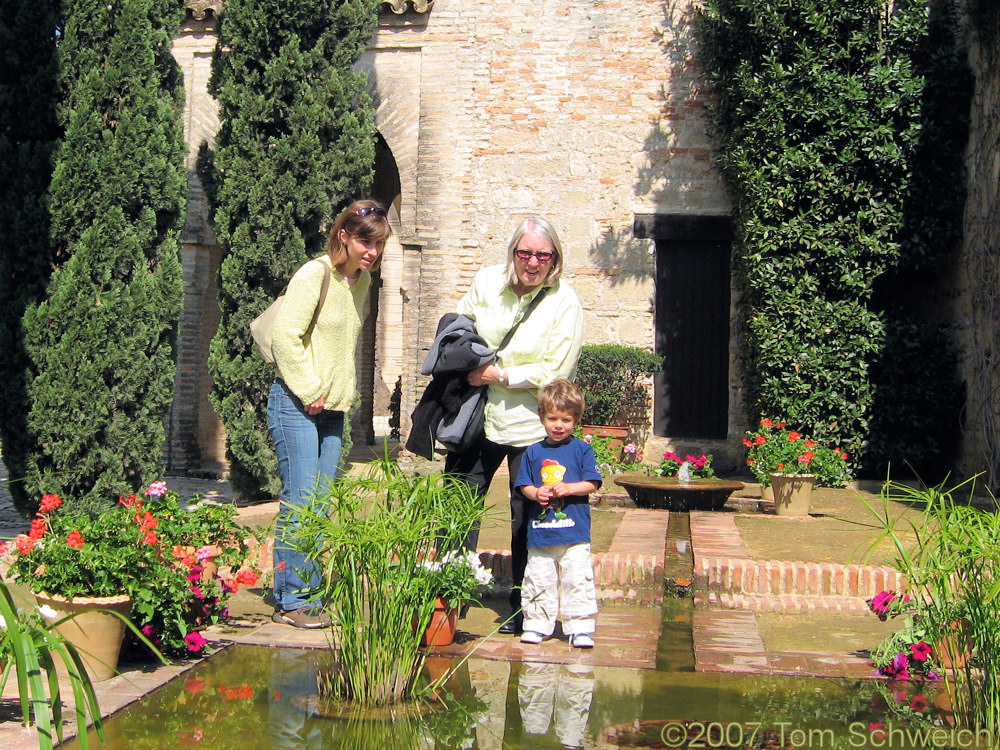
{"x":530,"y":636}
{"x":581,"y":640}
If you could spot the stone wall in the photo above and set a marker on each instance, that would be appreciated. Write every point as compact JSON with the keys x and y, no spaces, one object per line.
{"x":978,"y":307}
{"x":586,"y":113}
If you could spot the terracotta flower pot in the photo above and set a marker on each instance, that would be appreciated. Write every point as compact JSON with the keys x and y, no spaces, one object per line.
{"x":953,"y":648}
{"x":441,"y":629}
{"x":792,"y":493}
{"x":618,"y":434}
{"x":209,"y":564}
{"x":95,"y":632}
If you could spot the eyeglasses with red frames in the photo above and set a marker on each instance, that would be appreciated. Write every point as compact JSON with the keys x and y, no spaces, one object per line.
{"x":366,"y":210}
{"x":528,"y":255}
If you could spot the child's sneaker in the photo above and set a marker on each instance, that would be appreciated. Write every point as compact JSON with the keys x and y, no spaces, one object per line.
{"x":530,"y":636}
{"x":581,"y":640}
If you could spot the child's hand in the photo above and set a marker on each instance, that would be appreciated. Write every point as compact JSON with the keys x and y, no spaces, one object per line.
{"x":559,"y":489}
{"x":544,"y":495}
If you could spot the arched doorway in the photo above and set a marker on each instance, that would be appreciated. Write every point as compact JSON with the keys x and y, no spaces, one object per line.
{"x":380,"y":346}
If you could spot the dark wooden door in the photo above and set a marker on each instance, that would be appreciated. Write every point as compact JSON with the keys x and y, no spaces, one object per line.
{"x":691,"y":396}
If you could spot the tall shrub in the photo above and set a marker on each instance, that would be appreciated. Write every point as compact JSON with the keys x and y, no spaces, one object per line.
{"x":101,"y":342}
{"x":28,"y":136}
{"x":832,"y":135}
{"x":297,"y":143}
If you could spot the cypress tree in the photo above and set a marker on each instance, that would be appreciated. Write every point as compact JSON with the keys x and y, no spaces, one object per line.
{"x":297,"y":143}
{"x":28,"y":136}
{"x":101,"y":343}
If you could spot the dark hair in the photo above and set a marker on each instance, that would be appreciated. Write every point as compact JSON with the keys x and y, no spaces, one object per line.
{"x":561,"y":395}
{"x":365,"y":219}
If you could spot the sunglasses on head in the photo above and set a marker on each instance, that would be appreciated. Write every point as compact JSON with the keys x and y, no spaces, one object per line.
{"x":528,"y":255}
{"x":366,"y":210}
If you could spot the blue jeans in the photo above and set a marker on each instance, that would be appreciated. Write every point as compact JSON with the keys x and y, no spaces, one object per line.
{"x":308,"y":447}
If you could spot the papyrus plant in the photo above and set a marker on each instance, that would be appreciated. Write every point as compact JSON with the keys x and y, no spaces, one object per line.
{"x":369,"y":533}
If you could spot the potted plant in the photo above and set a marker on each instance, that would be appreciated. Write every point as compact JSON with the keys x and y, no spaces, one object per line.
{"x":83,"y":569}
{"x":613,"y":379}
{"x":791,"y":464}
{"x":30,"y":649}
{"x":610,"y":456}
{"x":204,"y":558}
{"x":917,"y":649}
{"x":111,"y":564}
{"x":452,"y":581}
{"x":208,"y":530}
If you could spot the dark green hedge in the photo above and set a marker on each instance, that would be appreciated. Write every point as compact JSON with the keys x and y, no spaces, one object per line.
{"x":613,"y":379}
{"x":841,"y":127}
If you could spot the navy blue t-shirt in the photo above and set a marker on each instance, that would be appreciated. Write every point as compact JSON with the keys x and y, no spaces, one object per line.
{"x":572,"y":461}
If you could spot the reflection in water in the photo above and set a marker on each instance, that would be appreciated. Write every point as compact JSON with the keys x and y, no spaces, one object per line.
{"x":560,"y":693}
{"x":249,"y":698}
{"x":293,"y":699}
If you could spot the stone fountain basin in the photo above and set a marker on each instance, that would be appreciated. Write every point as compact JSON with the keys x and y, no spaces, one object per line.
{"x":670,"y":493}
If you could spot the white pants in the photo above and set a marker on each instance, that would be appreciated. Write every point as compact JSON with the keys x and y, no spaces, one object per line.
{"x":559,"y":582}
{"x":560,"y":691}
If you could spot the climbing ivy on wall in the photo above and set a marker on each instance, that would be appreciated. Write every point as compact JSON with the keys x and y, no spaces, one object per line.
{"x":841,"y":125}
{"x":296,"y":144}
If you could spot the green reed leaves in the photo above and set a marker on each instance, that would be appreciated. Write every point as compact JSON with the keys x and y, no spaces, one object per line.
{"x":369,"y":532}
{"x":950,"y":557}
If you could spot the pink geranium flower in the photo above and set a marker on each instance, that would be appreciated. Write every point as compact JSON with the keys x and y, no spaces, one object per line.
{"x":157,"y":489}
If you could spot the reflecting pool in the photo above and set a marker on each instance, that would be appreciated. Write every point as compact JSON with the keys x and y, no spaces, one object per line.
{"x":254,"y":698}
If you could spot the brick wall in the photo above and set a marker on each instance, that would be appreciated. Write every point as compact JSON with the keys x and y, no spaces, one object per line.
{"x":583,"y":112}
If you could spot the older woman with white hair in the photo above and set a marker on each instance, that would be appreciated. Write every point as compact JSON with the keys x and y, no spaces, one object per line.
{"x":546,"y":347}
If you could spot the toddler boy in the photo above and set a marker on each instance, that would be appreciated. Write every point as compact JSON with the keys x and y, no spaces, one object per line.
{"x":558,"y":473}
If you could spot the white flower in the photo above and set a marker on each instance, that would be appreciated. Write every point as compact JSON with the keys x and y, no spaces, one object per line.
{"x":482,"y":575}
{"x":3,"y":622}
{"x":47,"y":612}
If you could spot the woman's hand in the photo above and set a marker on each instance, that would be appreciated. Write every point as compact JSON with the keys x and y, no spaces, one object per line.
{"x":315,"y":407}
{"x":485,"y":375}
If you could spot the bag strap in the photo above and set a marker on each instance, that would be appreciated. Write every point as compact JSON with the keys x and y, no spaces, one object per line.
{"x":527,"y":311}
{"x":322,"y":299}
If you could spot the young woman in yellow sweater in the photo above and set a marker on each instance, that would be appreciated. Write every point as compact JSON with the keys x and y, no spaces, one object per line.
{"x":315,"y":386}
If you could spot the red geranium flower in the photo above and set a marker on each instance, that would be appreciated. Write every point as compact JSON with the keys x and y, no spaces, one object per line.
{"x":49,"y":503}
{"x":75,"y":539}
{"x":247,"y":577}
{"x":37,"y":530}
{"x":24,"y":544}
{"x":130,"y":502}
